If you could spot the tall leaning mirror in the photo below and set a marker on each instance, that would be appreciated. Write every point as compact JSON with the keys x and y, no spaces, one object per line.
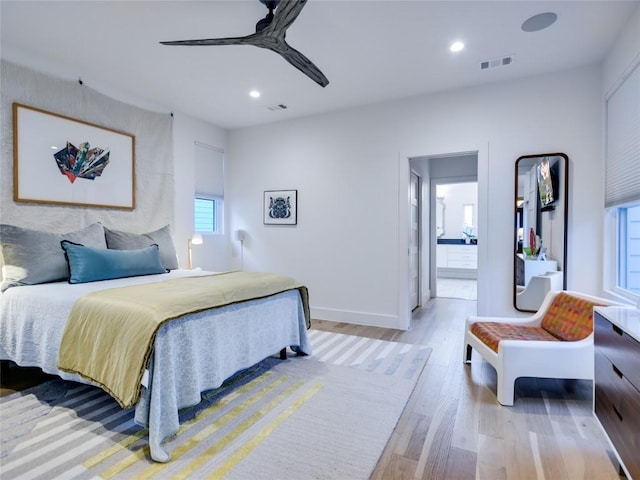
{"x":540,"y":237}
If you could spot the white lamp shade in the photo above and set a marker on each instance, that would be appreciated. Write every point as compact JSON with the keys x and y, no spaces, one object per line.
{"x":196,"y":239}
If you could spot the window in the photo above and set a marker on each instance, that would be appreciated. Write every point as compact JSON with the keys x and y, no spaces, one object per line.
{"x":622,"y":186}
{"x":629,"y":249}
{"x":205,"y":215}
{"x":209,"y":189}
{"x":468,"y":214}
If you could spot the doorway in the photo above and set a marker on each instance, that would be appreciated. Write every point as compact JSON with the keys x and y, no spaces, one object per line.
{"x":454,"y":168}
{"x":456,"y":239}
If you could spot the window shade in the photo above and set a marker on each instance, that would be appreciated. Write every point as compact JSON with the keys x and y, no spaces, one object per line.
{"x":209,"y":170}
{"x":622,"y":169}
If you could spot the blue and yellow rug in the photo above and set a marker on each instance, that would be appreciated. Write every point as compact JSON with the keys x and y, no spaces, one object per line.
{"x":321,"y":417}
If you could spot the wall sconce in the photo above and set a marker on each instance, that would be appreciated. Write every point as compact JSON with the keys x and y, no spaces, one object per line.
{"x":195,"y":240}
{"x":239,"y":237}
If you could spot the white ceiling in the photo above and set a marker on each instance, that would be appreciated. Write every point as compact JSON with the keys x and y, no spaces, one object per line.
{"x":371,"y":51}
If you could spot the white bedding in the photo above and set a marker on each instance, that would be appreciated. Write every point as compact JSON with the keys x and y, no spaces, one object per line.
{"x":192,"y":354}
{"x":34,"y":316}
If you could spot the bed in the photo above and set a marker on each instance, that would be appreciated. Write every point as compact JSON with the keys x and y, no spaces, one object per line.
{"x":190,"y":354}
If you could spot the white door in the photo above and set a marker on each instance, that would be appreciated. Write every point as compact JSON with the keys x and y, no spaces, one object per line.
{"x":414,"y":242}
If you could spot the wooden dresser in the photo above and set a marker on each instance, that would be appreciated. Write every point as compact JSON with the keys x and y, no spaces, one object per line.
{"x":617,"y":382}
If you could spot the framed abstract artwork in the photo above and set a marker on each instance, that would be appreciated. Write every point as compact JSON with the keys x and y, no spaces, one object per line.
{"x":281,"y":207}
{"x":64,"y":161}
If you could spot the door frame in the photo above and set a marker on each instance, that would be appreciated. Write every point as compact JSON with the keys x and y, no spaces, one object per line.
{"x":402,"y":293}
{"x":419,"y":238}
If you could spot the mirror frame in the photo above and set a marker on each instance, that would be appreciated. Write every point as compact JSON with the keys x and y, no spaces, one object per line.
{"x":563,"y":205}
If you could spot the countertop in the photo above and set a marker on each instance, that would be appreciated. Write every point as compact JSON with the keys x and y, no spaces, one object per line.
{"x":627,"y":318}
{"x":455,"y":241}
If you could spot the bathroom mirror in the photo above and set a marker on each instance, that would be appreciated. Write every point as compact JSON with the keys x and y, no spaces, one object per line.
{"x":540,"y":234}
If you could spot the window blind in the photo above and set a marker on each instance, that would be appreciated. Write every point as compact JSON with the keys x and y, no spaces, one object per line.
{"x":209,"y":170}
{"x":622,"y":168}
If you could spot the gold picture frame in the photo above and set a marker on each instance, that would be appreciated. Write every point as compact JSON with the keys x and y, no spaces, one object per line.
{"x":65,"y":161}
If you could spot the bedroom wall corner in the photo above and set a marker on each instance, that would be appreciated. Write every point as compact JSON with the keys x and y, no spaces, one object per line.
{"x":153,"y":153}
{"x":216,"y":251}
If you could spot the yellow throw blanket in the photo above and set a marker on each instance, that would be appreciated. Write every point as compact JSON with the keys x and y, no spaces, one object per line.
{"x":110,"y":333}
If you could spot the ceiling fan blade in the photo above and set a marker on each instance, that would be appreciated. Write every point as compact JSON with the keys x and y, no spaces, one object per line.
{"x":271,"y":37}
{"x":286,"y":13}
{"x":248,"y":40}
{"x":298,"y":60}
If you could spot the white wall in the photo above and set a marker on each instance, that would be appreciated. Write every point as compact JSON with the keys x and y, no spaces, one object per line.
{"x":623,"y":55}
{"x":215,"y":252}
{"x":351,"y":170}
{"x":451,"y":169}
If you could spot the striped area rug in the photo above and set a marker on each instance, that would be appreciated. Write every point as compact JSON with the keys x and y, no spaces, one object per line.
{"x":327,"y":416}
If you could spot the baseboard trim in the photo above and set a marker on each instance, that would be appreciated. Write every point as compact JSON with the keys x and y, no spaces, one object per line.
{"x":357,"y":318}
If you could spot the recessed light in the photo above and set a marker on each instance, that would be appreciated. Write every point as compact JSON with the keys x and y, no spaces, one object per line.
{"x":539,"y":22}
{"x":254,"y":94}
{"x":456,"y":46}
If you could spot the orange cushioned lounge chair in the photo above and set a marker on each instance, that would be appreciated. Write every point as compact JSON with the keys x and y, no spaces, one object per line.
{"x":555,"y":342}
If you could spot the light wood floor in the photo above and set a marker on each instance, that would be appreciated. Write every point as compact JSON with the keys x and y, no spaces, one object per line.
{"x":453,"y":428}
{"x":457,"y":288}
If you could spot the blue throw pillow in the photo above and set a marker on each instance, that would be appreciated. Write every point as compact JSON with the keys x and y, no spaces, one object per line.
{"x":88,"y":264}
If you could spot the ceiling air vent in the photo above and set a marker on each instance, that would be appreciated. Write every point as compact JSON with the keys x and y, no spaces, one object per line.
{"x":497,"y":62}
{"x":279,"y":106}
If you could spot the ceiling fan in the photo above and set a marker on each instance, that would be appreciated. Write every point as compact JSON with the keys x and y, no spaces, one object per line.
{"x":270,"y":34}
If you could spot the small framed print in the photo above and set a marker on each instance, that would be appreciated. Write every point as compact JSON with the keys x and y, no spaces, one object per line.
{"x":281,"y":207}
